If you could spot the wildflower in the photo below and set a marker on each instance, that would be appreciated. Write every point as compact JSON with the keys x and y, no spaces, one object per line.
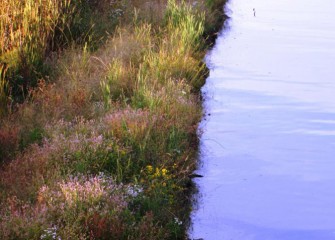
{"x":135,"y":190}
{"x":149,"y":168}
{"x":50,"y":233}
{"x":92,"y":191}
{"x":164,"y":172}
{"x":157,"y":173}
{"x":177,"y":221}
{"x":97,"y":139}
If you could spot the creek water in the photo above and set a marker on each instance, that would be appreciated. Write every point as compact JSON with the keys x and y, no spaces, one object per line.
{"x":268,"y":142}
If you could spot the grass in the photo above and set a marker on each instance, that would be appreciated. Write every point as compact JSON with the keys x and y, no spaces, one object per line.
{"x":30,"y":30}
{"x":103,"y":147}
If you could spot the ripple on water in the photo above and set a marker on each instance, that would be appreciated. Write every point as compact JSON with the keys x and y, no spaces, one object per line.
{"x":268,"y":146}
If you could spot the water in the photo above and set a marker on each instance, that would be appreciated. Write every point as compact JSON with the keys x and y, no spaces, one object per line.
{"x":268,"y":147}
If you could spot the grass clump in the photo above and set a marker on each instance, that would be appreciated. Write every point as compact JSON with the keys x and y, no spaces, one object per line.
{"x":30,"y":30}
{"x":103,"y":148}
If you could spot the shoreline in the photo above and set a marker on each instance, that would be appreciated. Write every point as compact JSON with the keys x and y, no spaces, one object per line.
{"x":108,"y":146}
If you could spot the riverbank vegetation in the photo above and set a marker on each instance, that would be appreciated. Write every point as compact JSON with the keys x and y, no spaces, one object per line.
{"x":99,"y":111}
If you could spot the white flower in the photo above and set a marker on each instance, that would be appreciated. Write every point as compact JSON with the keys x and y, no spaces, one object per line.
{"x":133,"y":191}
{"x":177,"y":221}
{"x":50,"y":233}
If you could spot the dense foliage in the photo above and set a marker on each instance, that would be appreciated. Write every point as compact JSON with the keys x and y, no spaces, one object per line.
{"x":103,"y":139}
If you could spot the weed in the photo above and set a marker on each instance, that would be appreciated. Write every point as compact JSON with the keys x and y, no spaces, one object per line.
{"x":101,"y":149}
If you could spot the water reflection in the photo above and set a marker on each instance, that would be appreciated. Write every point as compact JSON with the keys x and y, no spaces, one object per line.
{"x":268,"y":145}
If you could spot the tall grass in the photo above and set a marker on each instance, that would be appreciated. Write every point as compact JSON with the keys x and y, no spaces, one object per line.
{"x":26,"y":28}
{"x":3,"y":88}
{"x":185,"y":24}
{"x":30,"y":30}
{"x":105,"y":152}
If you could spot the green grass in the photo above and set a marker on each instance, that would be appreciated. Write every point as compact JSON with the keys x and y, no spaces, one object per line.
{"x":30,"y":30}
{"x":102,"y":149}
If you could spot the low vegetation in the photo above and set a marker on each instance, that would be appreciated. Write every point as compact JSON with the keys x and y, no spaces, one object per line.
{"x":99,"y":111}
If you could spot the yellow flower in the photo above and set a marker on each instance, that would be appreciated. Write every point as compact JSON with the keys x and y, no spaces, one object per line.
{"x":149,"y":168}
{"x":164,"y":172}
{"x":157,"y":173}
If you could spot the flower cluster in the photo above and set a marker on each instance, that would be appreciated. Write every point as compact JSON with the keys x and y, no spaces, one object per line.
{"x":50,"y":233}
{"x":158,"y":173}
{"x":158,"y":177}
{"x":94,"y":193}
